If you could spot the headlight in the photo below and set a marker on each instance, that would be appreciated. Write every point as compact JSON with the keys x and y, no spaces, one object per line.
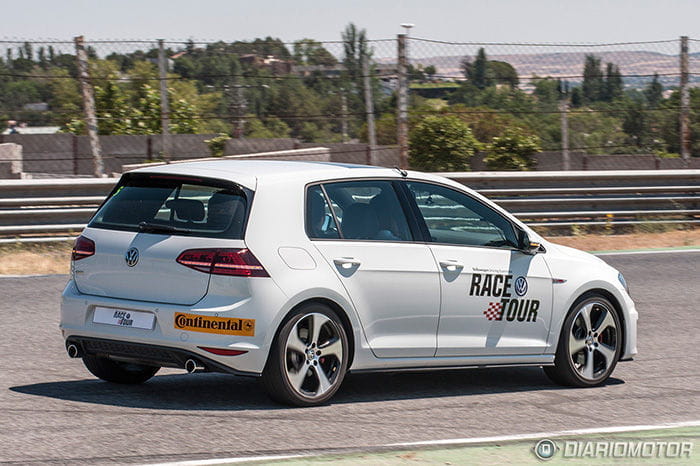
{"x":623,"y":282}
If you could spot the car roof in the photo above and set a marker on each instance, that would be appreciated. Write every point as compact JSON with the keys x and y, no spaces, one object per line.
{"x":248,"y":172}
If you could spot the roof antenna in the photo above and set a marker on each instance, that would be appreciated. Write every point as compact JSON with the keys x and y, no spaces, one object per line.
{"x":403,"y":172}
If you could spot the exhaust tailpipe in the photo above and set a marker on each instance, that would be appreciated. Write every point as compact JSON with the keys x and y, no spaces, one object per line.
{"x":73,"y":350}
{"x":192,"y":366}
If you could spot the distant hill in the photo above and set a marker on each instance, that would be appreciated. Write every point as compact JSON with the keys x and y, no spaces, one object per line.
{"x":569,"y":65}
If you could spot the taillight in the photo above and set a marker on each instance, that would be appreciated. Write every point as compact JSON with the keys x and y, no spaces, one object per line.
{"x":83,"y":247}
{"x":237,"y":262}
{"x":223,"y":351}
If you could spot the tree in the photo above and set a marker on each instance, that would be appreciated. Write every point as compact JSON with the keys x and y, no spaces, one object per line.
{"x":355,"y":49}
{"x":483,"y":73}
{"x":430,"y":71}
{"x":613,"y":83}
{"x":442,"y":143}
{"x":311,"y":52}
{"x":476,"y":72}
{"x":654,"y":92}
{"x":501,"y":72}
{"x":513,"y":150}
{"x":592,"y":88}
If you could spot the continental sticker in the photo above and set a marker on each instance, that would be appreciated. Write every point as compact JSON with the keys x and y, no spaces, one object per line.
{"x":209,"y":324}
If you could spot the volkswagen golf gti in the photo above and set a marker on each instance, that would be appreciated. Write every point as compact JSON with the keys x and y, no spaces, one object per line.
{"x":299,"y":272}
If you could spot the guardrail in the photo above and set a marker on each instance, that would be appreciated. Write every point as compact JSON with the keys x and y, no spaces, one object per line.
{"x":38,"y":210}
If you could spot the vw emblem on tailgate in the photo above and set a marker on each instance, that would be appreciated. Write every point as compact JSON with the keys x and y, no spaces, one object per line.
{"x":131,"y":257}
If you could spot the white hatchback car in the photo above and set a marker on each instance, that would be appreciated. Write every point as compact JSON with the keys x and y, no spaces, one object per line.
{"x":299,"y":272}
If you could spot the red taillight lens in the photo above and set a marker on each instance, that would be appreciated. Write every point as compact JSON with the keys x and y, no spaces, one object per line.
{"x":223,"y":351}
{"x":84,"y":247}
{"x":237,"y":262}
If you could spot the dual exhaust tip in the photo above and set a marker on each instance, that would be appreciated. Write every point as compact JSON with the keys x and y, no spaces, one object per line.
{"x":191,"y":365}
{"x":73,"y":351}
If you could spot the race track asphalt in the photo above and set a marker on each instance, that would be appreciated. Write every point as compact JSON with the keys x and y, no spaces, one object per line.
{"x":53,"y":411}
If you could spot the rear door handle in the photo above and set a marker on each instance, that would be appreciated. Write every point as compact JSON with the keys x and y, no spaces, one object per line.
{"x":346,"y":262}
{"x":451,"y":265}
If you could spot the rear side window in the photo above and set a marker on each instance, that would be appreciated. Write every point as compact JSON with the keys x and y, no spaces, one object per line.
{"x":368,"y":210}
{"x":319,"y":218}
{"x":175,"y":205}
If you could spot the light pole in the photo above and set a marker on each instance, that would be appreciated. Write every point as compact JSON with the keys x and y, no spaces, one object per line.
{"x":407,"y":27}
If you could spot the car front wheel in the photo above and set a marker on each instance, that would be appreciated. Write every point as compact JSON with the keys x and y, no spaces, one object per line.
{"x":590,"y":343}
{"x":308,"y":359}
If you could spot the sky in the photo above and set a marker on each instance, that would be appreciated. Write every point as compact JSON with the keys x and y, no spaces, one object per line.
{"x":454,"y":20}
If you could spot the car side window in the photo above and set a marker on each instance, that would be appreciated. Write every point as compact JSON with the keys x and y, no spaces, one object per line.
{"x":320,"y":223}
{"x":456,"y":218}
{"x":368,"y":210}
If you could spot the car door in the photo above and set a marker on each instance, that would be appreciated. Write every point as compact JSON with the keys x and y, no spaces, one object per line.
{"x":362,"y":230}
{"x":496,"y":299}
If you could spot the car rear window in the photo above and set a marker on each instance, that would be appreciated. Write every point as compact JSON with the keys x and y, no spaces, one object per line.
{"x":175,"y":205}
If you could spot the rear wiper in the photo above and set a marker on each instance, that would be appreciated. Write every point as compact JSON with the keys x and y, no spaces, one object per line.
{"x":147,"y":227}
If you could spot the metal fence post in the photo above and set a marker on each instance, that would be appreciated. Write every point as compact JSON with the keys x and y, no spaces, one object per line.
{"x":685,"y":102}
{"x":402,"y":120}
{"x":344,"y":116}
{"x":369,"y":109}
{"x":89,"y":106}
{"x":565,"y":159}
{"x":166,"y":141}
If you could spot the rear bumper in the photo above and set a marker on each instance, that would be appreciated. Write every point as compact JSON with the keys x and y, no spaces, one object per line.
{"x":165,"y":344}
{"x":152,"y":355}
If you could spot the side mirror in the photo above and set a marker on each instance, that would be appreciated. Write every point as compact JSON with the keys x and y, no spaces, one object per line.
{"x":526,"y":245}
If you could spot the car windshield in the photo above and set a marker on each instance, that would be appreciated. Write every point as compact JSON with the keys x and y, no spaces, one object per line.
{"x":175,"y":206}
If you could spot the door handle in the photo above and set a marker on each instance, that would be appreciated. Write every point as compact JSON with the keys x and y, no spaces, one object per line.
{"x":346,"y":262}
{"x":451,"y":265}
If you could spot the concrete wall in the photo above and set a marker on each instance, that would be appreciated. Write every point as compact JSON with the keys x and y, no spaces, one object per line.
{"x":10,"y":161}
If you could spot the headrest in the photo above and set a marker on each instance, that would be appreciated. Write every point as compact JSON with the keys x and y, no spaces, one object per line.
{"x":187,"y":209}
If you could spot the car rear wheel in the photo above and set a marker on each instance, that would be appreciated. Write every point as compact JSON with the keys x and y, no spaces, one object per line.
{"x":118,"y":371}
{"x":308,"y":359}
{"x":590,"y":343}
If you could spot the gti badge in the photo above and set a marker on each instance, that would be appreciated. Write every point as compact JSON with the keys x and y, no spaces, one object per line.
{"x":131,"y":257}
{"x":520,"y":286}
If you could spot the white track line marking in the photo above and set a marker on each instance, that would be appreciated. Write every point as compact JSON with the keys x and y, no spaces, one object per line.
{"x":541,"y":435}
{"x":665,"y":251}
{"x":459,"y":441}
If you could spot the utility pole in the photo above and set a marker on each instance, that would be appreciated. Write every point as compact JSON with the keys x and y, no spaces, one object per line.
{"x":166,"y":141}
{"x":369,"y":109}
{"x":89,"y":106}
{"x":685,"y":103}
{"x":402,"y":120}
{"x":565,"y":159}
{"x":238,"y":106}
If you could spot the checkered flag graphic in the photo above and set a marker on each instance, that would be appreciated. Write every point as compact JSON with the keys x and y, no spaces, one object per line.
{"x":494,"y":312}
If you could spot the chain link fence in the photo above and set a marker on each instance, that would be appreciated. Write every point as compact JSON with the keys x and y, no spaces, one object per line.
{"x":526,"y":106}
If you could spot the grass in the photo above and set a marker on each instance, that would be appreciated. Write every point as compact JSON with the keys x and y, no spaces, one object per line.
{"x":51,"y":258}
{"x":519,"y":452}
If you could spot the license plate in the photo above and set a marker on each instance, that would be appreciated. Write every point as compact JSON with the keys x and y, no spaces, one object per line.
{"x":123,"y":318}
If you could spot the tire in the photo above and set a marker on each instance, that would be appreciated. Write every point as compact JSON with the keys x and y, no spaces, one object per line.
{"x":117,"y":371}
{"x":308,"y":358}
{"x":589,"y":344}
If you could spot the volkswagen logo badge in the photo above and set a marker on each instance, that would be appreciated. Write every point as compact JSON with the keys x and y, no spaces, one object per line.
{"x":131,"y":257}
{"x":521,"y":286}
